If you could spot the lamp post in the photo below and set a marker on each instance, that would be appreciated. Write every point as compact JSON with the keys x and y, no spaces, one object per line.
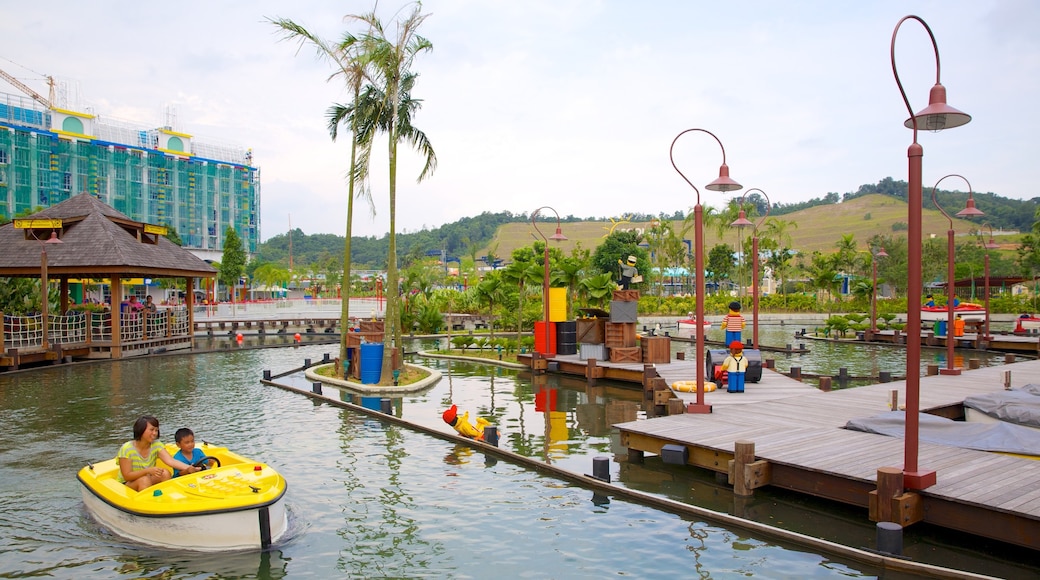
{"x":968,"y":211}
{"x":558,"y":236}
{"x":873,"y":288}
{"x":723,"y":183}
{"x":935,"y":117}
{"x":741,"y":222}
{"x":990,"y":245}
{"x":30,"y":226}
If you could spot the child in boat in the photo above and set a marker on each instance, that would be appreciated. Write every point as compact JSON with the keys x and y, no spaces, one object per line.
{"x":185,"y":439}
{"x":137,"y":458}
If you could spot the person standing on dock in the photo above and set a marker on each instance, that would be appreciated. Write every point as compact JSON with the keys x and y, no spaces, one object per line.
{"x":733,"y":322}
{"x":735,"y":366}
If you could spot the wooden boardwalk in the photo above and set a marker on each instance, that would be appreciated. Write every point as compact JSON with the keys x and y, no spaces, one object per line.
{"x":799,"y":431}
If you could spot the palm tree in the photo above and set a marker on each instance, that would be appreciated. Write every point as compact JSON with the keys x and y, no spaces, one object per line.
{"x":386,"y":63}
{"x":355,"y":115}
{"x":489,"y":291}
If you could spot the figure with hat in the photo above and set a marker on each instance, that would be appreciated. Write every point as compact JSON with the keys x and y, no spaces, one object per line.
{"x":735,"y":366}
{"x":628,"y":272}
{"x":733,"y":322}
{"x":463,"y":426}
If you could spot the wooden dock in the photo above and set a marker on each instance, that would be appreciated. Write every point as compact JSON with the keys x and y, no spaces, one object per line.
{"x":800,"y":444}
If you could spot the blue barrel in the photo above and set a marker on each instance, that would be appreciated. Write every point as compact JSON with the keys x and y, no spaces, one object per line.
{"x":371,"y":363}
{"x":940,"y":327}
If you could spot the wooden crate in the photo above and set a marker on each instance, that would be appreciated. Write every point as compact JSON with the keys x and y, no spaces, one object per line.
{"x":371,"y":325}
{"x":619,"y":334}
{"x":656,"y":349}
{"x":590,"y":330}
{"x":354,"y":338}
{"x":626,"y":295}
{"x":625,"y":354}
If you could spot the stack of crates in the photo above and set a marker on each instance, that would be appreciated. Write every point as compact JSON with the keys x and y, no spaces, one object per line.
{"x":620,"y":332}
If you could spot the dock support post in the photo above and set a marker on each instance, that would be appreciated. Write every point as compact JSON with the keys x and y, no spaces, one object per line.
{"x":889,"y":486}
{"x":974,"y":363}
{"x":316,"y":388}
{"x":491,"y":435}
{"x":796,"y":373}
{"x":680,"y":355}
{"x":825,"y":384}
{"x":745,"y":474}
{"x":590,"y":372}
{"x":635,"y":456}
{"x":884,"y":377}
{"x":1009,"y":358}
{"x":601,"y":468}
{"x":932,"y":370}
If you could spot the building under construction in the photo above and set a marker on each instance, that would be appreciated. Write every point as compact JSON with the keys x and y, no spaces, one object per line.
{"x":156,"y":175}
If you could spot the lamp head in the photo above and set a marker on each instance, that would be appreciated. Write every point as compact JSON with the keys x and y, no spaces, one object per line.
{"x":938,"y":115}
{"x":991,"y":245}
{"x":741,"y":220}
{"x":881,"y":253}
{"x":558,"y":236}
{"x":723,"y":183}
{"x":969,"y":209}
{"x":54,"y":239}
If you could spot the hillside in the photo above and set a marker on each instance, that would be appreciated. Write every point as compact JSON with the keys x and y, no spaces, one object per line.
{"x":818,"y":228}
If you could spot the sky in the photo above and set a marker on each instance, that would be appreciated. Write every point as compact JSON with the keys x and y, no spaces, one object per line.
{"x":571,"y":104}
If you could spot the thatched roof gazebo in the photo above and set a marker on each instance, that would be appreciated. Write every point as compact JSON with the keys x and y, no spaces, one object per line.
{"x":85,"y":238}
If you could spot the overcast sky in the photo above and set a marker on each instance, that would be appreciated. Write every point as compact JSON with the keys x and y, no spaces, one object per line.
{"x":571,"y":104}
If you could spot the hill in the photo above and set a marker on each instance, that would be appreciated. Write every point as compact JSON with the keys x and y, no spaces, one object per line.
{"x":818,"y":228}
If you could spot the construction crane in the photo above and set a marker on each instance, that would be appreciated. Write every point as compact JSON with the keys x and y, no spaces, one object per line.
{"x":25,"y":89}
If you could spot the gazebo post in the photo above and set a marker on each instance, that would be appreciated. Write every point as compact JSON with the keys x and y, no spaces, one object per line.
{"x":117,"y":323}
{"x":189,"y":299}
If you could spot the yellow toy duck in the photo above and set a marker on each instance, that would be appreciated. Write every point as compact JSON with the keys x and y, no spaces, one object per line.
{"x":462,"y":424}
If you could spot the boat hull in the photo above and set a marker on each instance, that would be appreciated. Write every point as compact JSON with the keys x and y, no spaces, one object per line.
{"x":239,"y":530}
{"x":239,"y":505}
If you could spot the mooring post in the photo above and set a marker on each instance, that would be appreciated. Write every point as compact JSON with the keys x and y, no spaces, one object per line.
{"x":932,"y":370}
{"x":974,"y":363}
{"x":601,"y":468}
{"x":743,"y":455}
{"x":893,"y":400}
{"x":1009,"y":358}
{"x":796,"y":373}
{"x":316,"y":388}
{"x":825,"y":384}
{"x":267,"y":374}
{"x":884,"y":377}
{"x":889,"y":486}
{"x":590,"y":372}
{"x":491,"y":435}
{"x":890,"y":538}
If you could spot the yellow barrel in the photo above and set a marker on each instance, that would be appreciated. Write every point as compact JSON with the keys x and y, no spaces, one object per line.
{"x":557,"y":304}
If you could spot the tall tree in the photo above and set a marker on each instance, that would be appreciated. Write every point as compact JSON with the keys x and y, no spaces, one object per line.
{"x":359,"y":117}
{"x":233,"y":262}
{"x":387,"y":60}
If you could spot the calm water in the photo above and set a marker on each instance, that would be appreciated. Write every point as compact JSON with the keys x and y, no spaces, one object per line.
{"x":371,"y":500}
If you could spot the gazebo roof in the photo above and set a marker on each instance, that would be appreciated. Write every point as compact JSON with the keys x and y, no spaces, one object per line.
{"x":98,"y":242}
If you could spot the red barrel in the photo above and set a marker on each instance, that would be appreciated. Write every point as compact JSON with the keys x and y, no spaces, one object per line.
{"x":539,"y":338}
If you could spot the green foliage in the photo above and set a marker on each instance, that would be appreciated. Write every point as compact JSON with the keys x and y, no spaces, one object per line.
{"x":900,"y":227}
{"x":233,"y":261}
{"x":619,"y":245}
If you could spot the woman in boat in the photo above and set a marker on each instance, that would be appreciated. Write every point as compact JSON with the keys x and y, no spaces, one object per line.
{"x":137,"y":459}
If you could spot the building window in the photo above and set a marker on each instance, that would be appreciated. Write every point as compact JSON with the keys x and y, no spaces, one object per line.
{"x":66,"y":181}
{"x":3,"y":156}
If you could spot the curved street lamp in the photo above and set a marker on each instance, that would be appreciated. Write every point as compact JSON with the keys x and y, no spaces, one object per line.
{"x":741,"y":222}
{"x":990,"y":245}
{"x":968,"y":211}
{"x":873,"y":288}
{"x":935,"y":117}
{"x":723,"y":183}
{"x":558,"y":236}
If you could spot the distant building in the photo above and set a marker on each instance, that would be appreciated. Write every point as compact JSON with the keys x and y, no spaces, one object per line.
{"x":155,"y":175}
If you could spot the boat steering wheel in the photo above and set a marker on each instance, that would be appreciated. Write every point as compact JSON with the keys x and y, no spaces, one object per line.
{"x":204,"y":462}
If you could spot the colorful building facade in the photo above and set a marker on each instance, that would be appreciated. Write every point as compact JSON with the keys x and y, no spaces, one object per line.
{"x":155,"y":175}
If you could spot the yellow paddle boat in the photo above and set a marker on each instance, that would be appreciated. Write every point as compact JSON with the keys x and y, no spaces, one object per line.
{"x":233,"y":504}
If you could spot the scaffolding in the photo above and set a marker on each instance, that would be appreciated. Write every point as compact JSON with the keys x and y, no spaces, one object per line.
{"x":199,"y":192}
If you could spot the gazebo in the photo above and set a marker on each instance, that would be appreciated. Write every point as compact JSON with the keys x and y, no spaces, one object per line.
{"x":85,"y":238}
